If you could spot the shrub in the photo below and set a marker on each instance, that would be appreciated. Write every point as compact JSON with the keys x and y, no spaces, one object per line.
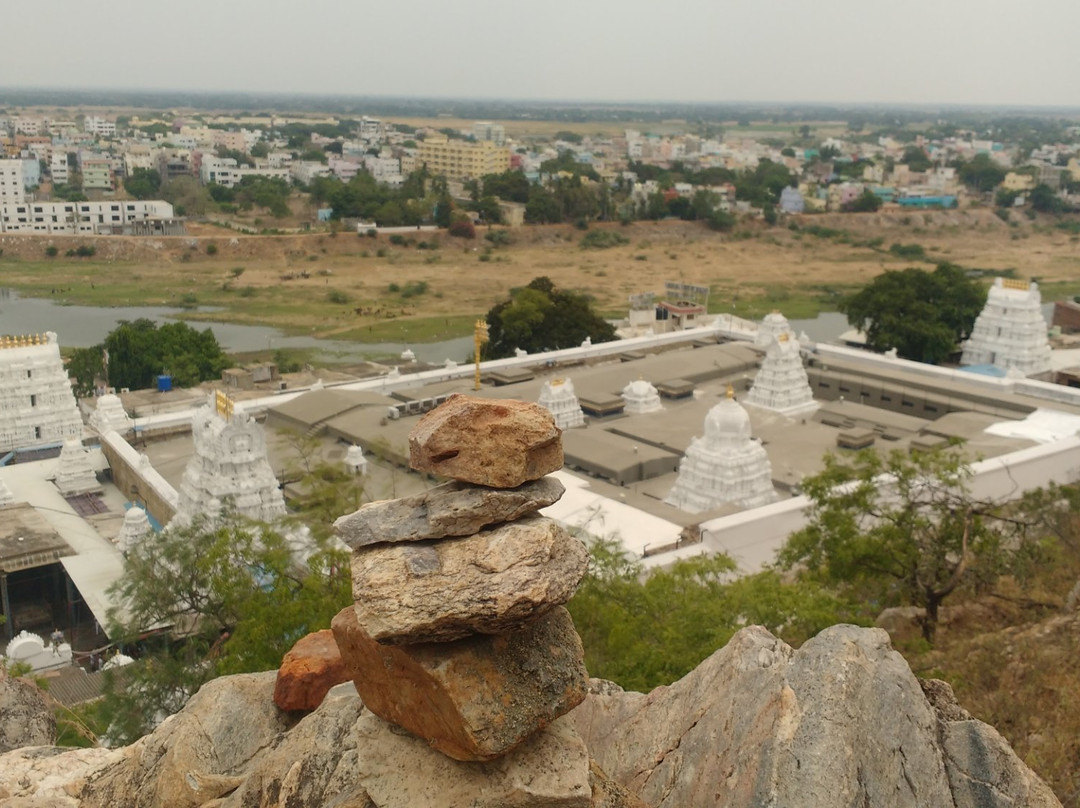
{"x":602,"y":240}
{"x":211,"y":249}
{"x":499,"y":238}
{"x":381,"y":252}
{"x":188,"y":301}
{"x":414,"y":289}
{"x":393,"y":288}
{"x":912,"y":252}
{"x":462,"y":228}
{"x":51,"y":251}
{"x":84,"y":250}
{"x":247,"y":291}
{"x":337,"y":297}
{"x":397,"y":239}
{"x":236,"y":272}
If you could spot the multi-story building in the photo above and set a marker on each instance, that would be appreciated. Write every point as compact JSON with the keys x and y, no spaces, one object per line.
{"x":11,"y":182}
{"x":97,"y":174}
{"x":486,"y":130}
{"x":461,"y":159}
{"x":26,"y":126}
{"x":219,"y":170}
{"x":58,"y":168}
{"x":99,"y":127}
{"x":72,"y":218}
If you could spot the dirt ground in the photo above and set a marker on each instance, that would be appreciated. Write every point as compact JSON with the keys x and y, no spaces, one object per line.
{"x":354,"y":284}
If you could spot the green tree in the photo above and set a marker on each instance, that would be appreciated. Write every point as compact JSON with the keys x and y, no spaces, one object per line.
{"x":1044,"y":200}
{"x":542,"y":207}
{"x":902,"y":528}
{"x":541,"y":317}
{"x":981,"y":173}
{"x":85,"y":365}
{"x":923,"y":315}
{"x":140,"y":350}
{"x":144,"y":183}
{"x":232,"y":598}
{"x":866,"y":202}
{"x":916,"y":159}
{"x":643,"y":631}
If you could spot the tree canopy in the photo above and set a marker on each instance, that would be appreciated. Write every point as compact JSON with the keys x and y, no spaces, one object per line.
{"x":144,"y":183}
{"x":923,"y":315}
{"x":541,"y":317}
{"x":138,"y":351}
{"x":903,"y":529}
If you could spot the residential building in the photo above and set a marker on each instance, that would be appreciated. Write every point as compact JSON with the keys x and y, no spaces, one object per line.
{"x":305,"y":171}
{"x":233,"y":141}
{"x":97,"y":174}
{"x":58,"y":168}
{"x":220,"y":170}
{"x":1018,"y":182}
{"x":26,"y":126}
{"x":99,"y":127}
{"x":461,"y":159}
{"x":486,"y":130}
{"x":92,"y":218}
{"x":12,"y":191}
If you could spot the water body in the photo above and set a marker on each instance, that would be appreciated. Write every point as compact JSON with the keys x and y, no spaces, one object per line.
{"x":85,"y":326}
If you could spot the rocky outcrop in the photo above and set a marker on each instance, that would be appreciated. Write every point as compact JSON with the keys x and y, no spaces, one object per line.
{"x":497,"y":443}
{"x":308,"y":671}
{"x":840,"y":722}
{"x":25,"y":716}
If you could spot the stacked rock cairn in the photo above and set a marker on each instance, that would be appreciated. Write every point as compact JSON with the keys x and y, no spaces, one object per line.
{"x":458,"y":633}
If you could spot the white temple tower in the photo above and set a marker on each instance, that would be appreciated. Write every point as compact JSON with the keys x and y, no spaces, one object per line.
{"x":6,"y":497}
{"x":110,"y":415}
{"x":74,"y":471}
{"x":641,"y":397}
{"x":781,"y":384}
{"x":725,"y":466}
{"x":229,"y":467}
{"x":561,"y":401}
{"x":772,"y":326}
{"x":1010,"y":333}
{"x":37,"y":407}
{"x":135,"y":528}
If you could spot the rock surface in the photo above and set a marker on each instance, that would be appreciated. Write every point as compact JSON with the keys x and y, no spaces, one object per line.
{"x":840,"y":722}
{"x":25,"y":716}
{"x":450,"y":509}
{"x":308,"y":671}
{"x":475,"y":698}
{"x":489,"y":583}
{"x":498,"y":443}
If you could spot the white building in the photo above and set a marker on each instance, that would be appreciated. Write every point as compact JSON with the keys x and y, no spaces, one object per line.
{"x":641,"y":397}
{"x":58,"y":168}
{"x":1010,"y":333}
{"x":37,"y":407}
{"x":73,"y":218}
{"x":781,"y":384}
{"x":220,"y":170}
{"x":99,"y":127}
{"x":559,"y":398}
{"x":11,"y":183}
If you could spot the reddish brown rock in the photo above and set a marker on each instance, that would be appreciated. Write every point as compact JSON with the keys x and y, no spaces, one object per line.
{"x":471,"y":699}
{"x":490,"y":583}
{"x":500,"y":443}
{"x":308,"y":671}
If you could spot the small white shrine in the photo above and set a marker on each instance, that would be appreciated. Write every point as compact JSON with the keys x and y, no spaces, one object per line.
{"x":1010,"y":333}
{"x":6,"y":497}
{"x":561,"y":401}
{"x":74,"y":471}
{"x":355,"y":460}
{"x":110,"y":415}
{"x":229,"y":467}
{"x":641,"y":397}
{"x":725,"y":466}
{"x":772,"y":326}
{"x":37,"y":407}
{"x":135,"y":528}
{"x":781,"y":384}
{"x":30,"y":649}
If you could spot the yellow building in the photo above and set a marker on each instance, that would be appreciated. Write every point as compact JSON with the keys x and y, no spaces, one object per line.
{"x":462,"y":159}
{"x":1018,"y":182}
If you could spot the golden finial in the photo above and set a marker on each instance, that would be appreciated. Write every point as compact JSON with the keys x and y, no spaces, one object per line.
{"x":730,"y":392}
{"x":783,"y":336}
{"x":557,"y":382}
{"x":223,"y":404}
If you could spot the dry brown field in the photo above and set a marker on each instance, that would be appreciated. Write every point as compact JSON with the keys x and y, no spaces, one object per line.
{"x":352,"y":291}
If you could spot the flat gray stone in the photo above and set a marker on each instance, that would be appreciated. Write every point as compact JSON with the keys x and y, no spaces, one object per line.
{"x":450,"y":509}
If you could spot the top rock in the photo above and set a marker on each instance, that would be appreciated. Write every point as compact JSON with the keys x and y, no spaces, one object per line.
{"x":498,"y":443}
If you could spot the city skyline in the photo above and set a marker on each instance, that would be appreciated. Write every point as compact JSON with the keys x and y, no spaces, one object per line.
{"x":830,"y":52}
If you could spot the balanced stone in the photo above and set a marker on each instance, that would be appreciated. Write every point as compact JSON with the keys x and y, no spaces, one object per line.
{"x":308,"y":670}
{"x":488,"y":583}
{"x":450,"y":509}
{"x":472,"y":699}
{"x":499,"y":443}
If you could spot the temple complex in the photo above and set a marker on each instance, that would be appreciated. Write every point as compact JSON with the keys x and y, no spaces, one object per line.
{"x":229,"y":466}
{"x":641,"y":397}
{"x":781,"y":384}
{"x":74,"y":472}
{"x":772,"y":326}
{"x":725,"y":466}
{"x":1010,"y":333}
{"x":37,"y":407}
{"x":561,"y":401}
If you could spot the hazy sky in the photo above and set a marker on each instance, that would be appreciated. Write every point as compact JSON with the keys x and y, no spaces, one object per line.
{"x":910,"y":51}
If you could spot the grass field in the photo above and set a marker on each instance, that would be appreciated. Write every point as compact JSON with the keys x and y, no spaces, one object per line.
{"x":369,"y":290}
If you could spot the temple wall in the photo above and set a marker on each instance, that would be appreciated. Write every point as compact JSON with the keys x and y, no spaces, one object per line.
{"x":131,"y":475}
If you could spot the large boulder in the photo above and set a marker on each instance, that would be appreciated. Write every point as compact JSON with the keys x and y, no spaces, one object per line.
{"x":498,"y":443}
{"x":475,"y":698}
{"x":450,"y":509}
{"x":488,"y":583}
{"x":840,"y":722}
{"x":26,"y":719}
